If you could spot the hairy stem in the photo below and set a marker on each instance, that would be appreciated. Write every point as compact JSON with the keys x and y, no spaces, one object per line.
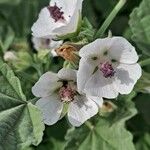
{"x":110,"y":18}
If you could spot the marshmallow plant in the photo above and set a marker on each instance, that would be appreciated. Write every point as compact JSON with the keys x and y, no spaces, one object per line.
{"x":108,"y":67}
{"x":60,"y":18}
{"x":93,"y":84}
{"x":58,"y":90}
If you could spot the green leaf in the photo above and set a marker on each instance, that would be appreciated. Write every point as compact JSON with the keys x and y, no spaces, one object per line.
{"x":143,"y":143}
{"x":140,"y":124}
{"x":87,"y":31}
{"x":108,"y":133}
{"x":142,"y":104}
{"x":104,"y":6}
{"x":70,"y":65}
{"x":24,"y":60}
{"x":88,"y":10}
{"x":143,"y":84}
{"x":20,"y":121}
{"x":22,"y":16}
{"x":103,"y":136}
{"x":54,"y":136}
{"x":9,"y":2}
{"x":6,"y":37}
{"x":140,"y":26}
{"x":52,"y":144}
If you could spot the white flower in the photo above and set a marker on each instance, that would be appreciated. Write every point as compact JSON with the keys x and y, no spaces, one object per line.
{"x":108,"y":67}
{"x":10,"y":56}
{"x":56,"y":90}
{"x":45,"y":43}
{"x":59,"y":18}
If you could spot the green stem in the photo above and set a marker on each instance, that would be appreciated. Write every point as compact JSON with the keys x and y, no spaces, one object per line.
{"x":37,"y":69}
{"x":109,"y":19}
{"x":89,"y":125}
{"x":145,"y":62}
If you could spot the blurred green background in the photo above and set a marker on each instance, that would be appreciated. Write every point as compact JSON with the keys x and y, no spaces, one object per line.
{"x":16,"y":19}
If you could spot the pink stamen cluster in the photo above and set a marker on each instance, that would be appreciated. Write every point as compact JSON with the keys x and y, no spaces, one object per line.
{"x":56,"y":12}
{"x":107,"y":70}
{"x":66,"y":94}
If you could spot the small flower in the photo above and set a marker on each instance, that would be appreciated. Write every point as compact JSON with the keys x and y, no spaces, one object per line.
{"x":107,"y":67}
{"x":10,"y":56}
{"x":61,"y":17}
{"x":57,"y":90}
{"x":45,"y":43}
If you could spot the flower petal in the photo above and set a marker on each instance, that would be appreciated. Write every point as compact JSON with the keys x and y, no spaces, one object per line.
{"x":80,"y":110}
{"x":96,"y":48}
{"x":51,"y":108}
{"x":41,"y":43}
{"x":53,"y":52}
{"x":55,"y":44}
{"x":45,"y":25}
{"x":46,"y":85}
{"x":71,"y":27}
{"x":122,"y":51}
{"x":126,"y":77}
{"x":98,"y":100}
{"x":44,"y":43}
{"x":67,"y":74}
{"x":100,"y":86}
{"x":86,"y":69}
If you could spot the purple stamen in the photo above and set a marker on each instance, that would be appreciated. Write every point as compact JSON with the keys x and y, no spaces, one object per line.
{"x":66,"y":94}
{"x":56,"y":12}
{"x":107,"y":70}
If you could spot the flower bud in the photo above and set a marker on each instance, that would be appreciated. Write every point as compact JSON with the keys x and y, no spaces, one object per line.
{"x":10,"y":56}
{"x":107,"y":108}
{"x":68,"y":52}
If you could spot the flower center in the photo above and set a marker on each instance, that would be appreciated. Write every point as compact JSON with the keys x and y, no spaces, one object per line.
{"x":66,"y":94}
{"x":56,"y":12}
{"x":107,"y":70}
{"x":45,"y":42}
